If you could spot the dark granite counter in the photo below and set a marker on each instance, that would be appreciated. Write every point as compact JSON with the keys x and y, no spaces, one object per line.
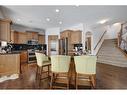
{"x":17,"y":52}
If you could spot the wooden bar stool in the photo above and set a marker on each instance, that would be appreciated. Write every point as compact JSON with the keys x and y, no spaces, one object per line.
{"x":42,"y":61}
{"x":60,"y":69}
{"x":85,"y":67}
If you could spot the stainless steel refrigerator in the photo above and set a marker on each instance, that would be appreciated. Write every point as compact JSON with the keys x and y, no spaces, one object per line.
{"x":63,"y":46}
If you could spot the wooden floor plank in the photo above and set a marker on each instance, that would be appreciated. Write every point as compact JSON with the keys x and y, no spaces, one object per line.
{"x":108,"y":77}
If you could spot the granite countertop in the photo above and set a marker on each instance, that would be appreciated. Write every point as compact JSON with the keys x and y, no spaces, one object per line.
{"x":14,"y":52}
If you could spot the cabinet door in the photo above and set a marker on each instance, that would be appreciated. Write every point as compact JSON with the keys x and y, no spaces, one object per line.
{"x":5,"y":33}
{"x":16,"y":37}
{"x":35,"y":35}
{"x":29,"y":36}
{"x":23,"y":57}
{"x":22,"y":38}
{"x":32,"y":35}
{"x":76,"y":37}
{"x":10,"y":64}
{"x":41,"y":39}
{"x":65,"y":34}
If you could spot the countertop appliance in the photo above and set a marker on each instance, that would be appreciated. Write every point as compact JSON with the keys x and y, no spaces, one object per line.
{"x":63,"y":46}
{"x":32,"y":42}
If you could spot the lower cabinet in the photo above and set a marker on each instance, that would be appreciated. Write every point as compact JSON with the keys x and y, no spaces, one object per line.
{"x":9,"y":64}
{"x":24,"y":57}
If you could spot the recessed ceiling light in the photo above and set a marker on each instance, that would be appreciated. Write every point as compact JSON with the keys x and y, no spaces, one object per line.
{"x":18,"y":19}
{"x":77,"y":5}
{"x":30,"y":21}
{"x":60,"y":22}
{"x":115,"y":24}
{"x":103,"y":21}
{"x":48,"y":19}
{"x":57,"y":10}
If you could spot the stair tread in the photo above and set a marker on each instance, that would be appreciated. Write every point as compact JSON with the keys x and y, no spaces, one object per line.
{"x":110,"y":54}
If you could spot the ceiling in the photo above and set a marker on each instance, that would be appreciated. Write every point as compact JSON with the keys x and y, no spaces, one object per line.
{"x":35,"y":16}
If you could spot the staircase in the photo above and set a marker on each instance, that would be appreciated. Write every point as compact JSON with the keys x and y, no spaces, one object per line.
{"x":110,"y":54}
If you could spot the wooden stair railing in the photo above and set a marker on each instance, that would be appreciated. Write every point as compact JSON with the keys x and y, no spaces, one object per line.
{"x":99,"y":40}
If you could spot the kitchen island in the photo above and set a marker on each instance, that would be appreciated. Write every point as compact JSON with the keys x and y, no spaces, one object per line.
{"x":9,"y":65}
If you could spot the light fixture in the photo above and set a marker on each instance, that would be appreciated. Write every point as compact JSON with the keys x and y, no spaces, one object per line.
{"x":18,"y":19}
{"x":115,"y":24}
{"x":47,"y":19}
{"x":103,"y":21}
{"x":60,"y":22}
{"x":77,"y":5}
{"x":30,"y":21}
{"x":57,"y":10}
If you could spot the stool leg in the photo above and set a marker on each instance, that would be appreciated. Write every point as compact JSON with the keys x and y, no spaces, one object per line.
{"x":48,"y":71}
{"x":37,"y":72}
{"x":51,"y":83}
{"x":40,"y":73}
{"x":68,"y":80}
{"x":76,"y":80}
{"x":93,"y":81}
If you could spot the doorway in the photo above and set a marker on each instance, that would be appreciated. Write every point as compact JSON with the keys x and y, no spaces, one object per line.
{"x":88,"y":41}
{"x":52,"y":44}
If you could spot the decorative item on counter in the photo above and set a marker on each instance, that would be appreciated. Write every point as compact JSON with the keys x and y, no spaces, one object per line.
{"x":3,"y":46}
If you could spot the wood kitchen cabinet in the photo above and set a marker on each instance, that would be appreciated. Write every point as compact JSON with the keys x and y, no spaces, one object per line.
{"x":65,"y":34}
{"x":41,"y":39}
{"x":18,"y":37}
{"x":24,"y":57}
{"x":22,"y":38}
{"x":76,"y":37}
{"x":32,"y":35}
{"x":5,"y":32}
{"x":9,"y":64}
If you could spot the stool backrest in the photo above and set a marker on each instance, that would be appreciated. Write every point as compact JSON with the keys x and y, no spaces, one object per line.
{"x":60,"y":63}
{"x":40,"y":58}
{"x":85,"y":64}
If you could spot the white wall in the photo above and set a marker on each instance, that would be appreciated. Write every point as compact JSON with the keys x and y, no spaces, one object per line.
{"x":51,"y":31}
{"x":74,"y":27}
{"x":112,"y":31}
{"x":97,"y":34}
{"x":1,"y":14}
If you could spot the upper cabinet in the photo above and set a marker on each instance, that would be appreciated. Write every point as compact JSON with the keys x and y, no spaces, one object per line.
{"x":22,"y":38}
{"x":32,"y":35}
{"x":41,"y":39}
{"x":65,"y":34}
{"x":76,"y":37}
{"x":5,"y":31}
{"x":18,"y":37}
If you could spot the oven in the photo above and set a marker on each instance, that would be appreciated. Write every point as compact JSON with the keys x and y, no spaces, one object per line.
{"x":31,"y":56}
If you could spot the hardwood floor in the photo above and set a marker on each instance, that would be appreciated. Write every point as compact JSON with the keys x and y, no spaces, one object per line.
{"x":108,"y":77}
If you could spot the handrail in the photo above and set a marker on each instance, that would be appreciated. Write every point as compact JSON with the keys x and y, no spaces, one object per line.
{"x":124,"y":40}
{"x":99,"y":40}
